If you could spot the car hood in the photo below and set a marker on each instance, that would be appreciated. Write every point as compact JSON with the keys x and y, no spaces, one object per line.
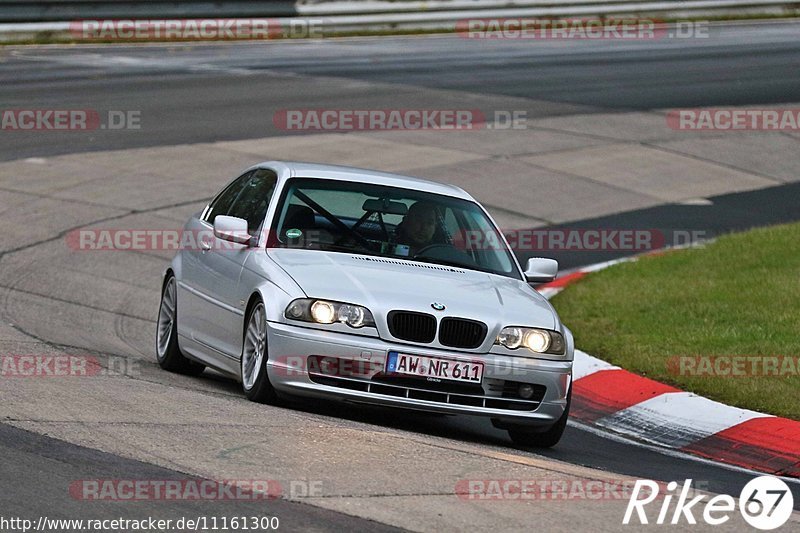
{"x":384,"y":284}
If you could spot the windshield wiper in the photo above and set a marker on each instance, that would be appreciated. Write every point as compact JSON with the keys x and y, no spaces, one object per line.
{"x":358,"y":248}
{"x":457,"y":264}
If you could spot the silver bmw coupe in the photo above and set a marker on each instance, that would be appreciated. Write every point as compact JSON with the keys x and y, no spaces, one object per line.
{"x":344,"y":284}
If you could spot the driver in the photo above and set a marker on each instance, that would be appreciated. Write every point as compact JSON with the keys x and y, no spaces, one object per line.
{"x":418,"y":227}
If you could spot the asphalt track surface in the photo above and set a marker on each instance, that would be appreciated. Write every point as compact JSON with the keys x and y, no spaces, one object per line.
{"x":230,"y":91}
{"x":49,"y":466}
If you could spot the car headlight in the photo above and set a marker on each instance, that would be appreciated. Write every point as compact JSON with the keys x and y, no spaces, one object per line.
{"x":535,"y":339}
{"x":325,"y":312}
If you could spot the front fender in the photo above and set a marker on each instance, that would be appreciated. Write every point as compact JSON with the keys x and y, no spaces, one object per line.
{"x":570,"y":341}
{"x":176,"y":266}
{"x":275,"y":300}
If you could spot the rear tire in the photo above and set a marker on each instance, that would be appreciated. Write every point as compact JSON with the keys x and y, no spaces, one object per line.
{"x":168,"y":353}
{"x":542,"y":439}
{"x":255,"y":381}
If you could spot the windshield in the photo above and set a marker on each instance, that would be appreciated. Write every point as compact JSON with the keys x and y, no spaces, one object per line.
{"x":385,"y":221}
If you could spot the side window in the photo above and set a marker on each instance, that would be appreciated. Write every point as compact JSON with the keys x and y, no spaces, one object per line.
{"x":247,"y":197}
{"x":223,"y":201}
{"x":253,"y":199}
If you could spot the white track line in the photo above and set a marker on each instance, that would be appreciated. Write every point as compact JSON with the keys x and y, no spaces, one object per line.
{"x":669,"y":452}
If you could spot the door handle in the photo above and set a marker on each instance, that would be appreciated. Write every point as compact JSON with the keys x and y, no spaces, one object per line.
{"x":205,"y":246}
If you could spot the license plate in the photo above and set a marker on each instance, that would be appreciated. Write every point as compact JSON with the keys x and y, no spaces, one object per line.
{"x":423,"y":366}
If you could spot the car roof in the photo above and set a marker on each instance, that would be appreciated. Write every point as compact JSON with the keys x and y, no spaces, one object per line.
{"x":291,"y":169}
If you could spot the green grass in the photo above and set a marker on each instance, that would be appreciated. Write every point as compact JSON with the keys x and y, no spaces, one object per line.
{"x":738,"y":296}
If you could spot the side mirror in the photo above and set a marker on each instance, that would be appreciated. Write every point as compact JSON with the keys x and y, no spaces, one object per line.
{"x":541,"y":270}
{"x":231,"y":229}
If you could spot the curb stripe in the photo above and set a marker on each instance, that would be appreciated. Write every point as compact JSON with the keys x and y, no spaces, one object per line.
{"x":606,"y":396}
{"x":676,"y":419}
{"x":771,"y":444}
{"x":564,"y":281}
{"x":551,"y":288}
{"x":586,"y":364}
{"x":610,"y":391}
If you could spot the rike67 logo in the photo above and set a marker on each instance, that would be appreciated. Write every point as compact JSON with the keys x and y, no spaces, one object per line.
{"x":765,"y":503}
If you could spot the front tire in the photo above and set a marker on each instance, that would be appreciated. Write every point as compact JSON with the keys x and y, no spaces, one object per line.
{"x":255,"y":381}
{"x":168,"y":353}
{"x":542,"y":439}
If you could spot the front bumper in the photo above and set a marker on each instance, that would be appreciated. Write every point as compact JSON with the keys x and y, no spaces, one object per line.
{"x":290,"y":346}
